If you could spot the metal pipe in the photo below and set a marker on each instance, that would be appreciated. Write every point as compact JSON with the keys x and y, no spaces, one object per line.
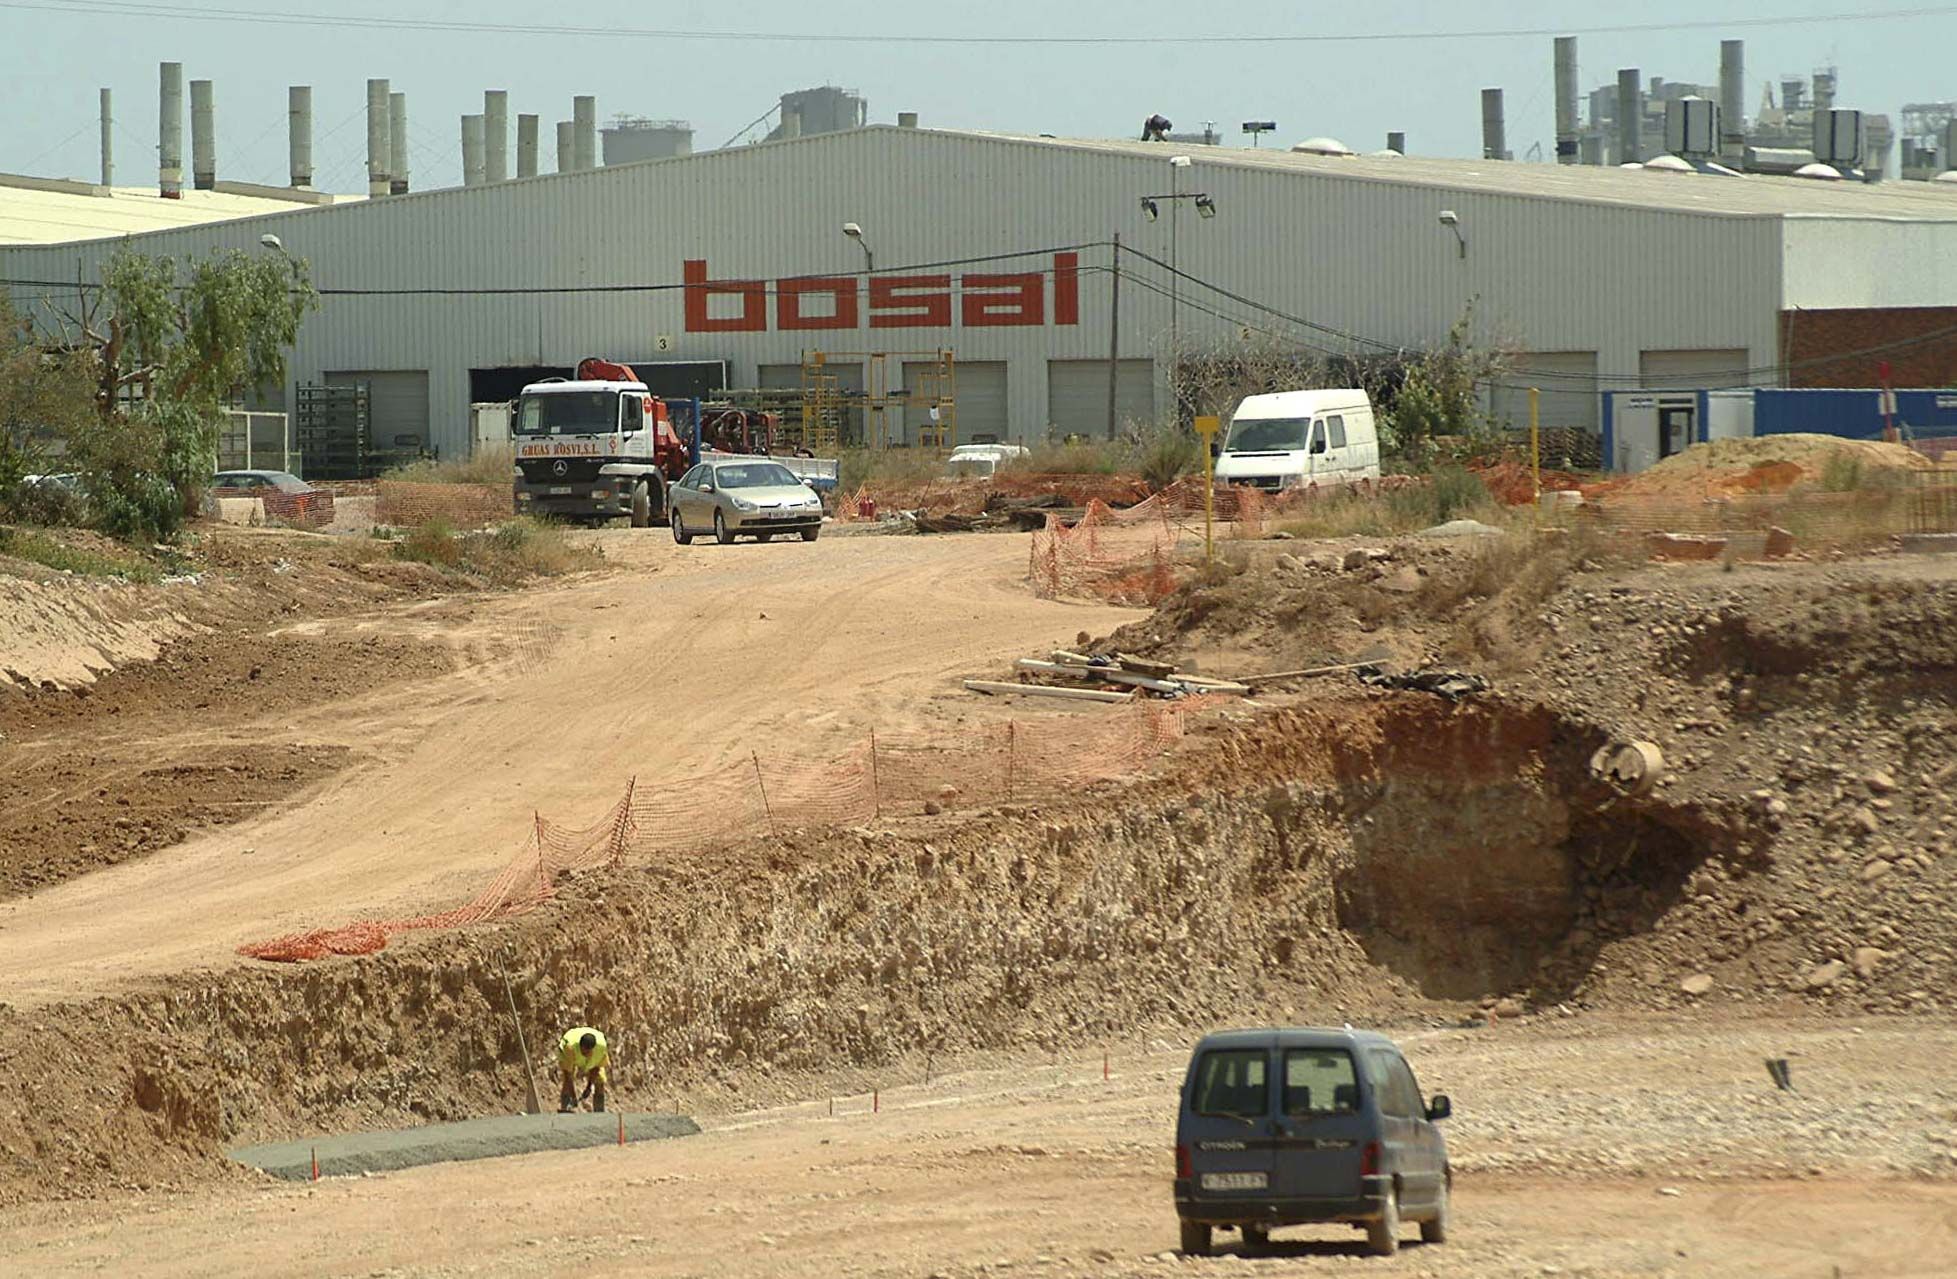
{"x":565,"y":129}
{"x":299,"y":125}
{"x":472,"y":145}
{"x":108,"y":140}
{"x":203,"y":136}
{"x":1630,"y":115}
{"x":584,"y":141}
{"x":169,"y":132}
{"x":1732,"y":101}
{"x":526,"y":146}
{"x":379,"y":136}
{"x":397,"y":143}
{"x":1567,"y":130}
{"x":496,"y":135}
{"x":1494,"y":126}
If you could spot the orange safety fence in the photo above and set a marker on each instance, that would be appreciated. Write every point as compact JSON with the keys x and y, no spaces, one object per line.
{"x":999,"y":763}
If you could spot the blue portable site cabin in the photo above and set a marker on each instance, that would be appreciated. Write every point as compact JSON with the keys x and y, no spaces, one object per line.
{"x":1641,"y":428}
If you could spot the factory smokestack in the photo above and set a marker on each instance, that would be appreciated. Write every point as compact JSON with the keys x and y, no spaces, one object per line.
{"x":1568,"y":134}
{"x":496,"y":135}
{"x":1630,"y":115}
{"x":1494,"y":126}
{"x":526,"y":146}
{"x":203,"y":136}
{"x":471,"y":150}
{"x":379,"y":137}
{"x":108,"y":140}
{"x":169,"y":133}
{"x":299,"y":141}
{"x":565,"y":128}
{"x":1732,"y":101}
{"x":397,"y":144}
{"x":584,"y":140}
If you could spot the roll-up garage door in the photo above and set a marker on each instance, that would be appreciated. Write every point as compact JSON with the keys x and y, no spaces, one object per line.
{"x":1077,"y":396}
{"x":1693,"y":370}
{"x":397,"y":409}
{"x":1568,"y":382}
{"x":979,"y":396}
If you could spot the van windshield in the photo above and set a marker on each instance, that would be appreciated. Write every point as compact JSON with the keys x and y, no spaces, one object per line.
{"x":1233,"y":1082}
{"x":1320,"y":1081}
{"x":1268,"y":435}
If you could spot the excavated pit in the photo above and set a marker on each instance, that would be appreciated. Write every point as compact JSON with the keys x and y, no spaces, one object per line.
{"x":1361,"y":859}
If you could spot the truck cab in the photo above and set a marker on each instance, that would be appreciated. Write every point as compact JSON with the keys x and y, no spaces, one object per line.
{"x":593,"y":451}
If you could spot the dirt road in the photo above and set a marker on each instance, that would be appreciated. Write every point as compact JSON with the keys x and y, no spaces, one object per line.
{"x":1041,"y":1168}
{"x":687,"y":659}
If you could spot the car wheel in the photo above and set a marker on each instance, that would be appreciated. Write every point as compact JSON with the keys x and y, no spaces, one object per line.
{"x":721,"y":533}
{"x":764,"y":537}
{"x":1195,"y":1239}
{"x":1383,"y":1235}
{"x":809,"y":534}
{"x":1434,"y":1229}
{"x":1257,"y":1238}
{"x":680,"y":534}
{"x":641,"y":506}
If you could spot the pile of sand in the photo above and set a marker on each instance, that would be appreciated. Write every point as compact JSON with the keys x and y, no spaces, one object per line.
{"x":1769,"y":464}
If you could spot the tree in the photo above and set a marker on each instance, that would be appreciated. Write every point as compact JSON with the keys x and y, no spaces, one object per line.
{"x":45,"y":396}
{"x":1440,"y":396}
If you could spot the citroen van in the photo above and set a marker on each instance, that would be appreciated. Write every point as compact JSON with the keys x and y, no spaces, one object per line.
{"x":1295,"y":439}
{"x":1288,"y":1127}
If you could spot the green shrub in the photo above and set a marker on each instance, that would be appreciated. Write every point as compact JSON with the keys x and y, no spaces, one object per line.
{"x":888,"y":468}
{"x":38,"y":548}
{"x":431,"y":543}
{"x":506,"y":555}
{"x":1167,"y":455}
{"x":493,"y":464}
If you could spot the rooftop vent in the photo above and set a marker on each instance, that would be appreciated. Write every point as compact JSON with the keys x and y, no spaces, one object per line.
{"x":1322,"y":146}
{"x":1819,"y":172}
{"x":1692,"y":127}
{"x":1667,"y":164}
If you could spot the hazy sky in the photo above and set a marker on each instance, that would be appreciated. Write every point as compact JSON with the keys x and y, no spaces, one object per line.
{"x":53,"y":58}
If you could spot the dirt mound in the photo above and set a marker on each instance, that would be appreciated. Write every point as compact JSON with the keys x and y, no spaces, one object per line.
{"x":1771,"y":464}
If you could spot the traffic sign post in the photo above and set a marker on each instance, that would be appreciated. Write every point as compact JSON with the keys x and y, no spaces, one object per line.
{"x":1206,"y":428}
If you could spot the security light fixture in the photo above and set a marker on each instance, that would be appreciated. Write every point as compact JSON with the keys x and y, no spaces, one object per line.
{"x":1180,"y":161}
{"x":272,"y":242}
{"x":852,"y":230}
{"x":1452,"y":221}
{"x":1257,"y":129}
{"x":1150,"y":209}
{"x":1205,"y":206}
{"x":855,"y":232}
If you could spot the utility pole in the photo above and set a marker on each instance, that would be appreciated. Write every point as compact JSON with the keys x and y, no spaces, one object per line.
{"x":1114,"y":336}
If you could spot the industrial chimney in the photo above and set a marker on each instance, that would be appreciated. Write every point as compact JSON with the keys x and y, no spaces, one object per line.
{"x":379,"y":136}
{"x":169,"y":133}
{"x":565,"y":130}
{"x":203,"y":136}
{"x":1630,"y":115}
{"x":108,"y":140}
{"x":1567,"y":133}
{"x":1494,"y":126}
{"x":397,"y":144}
{"x":299,"y":143}
{"x":1396,"y":141}
{"x":472,"y":150}
{"x":496,"y":135}
{"x":526,"y":146}
{"x":584,"y":140}
{"x":1732,"y":102}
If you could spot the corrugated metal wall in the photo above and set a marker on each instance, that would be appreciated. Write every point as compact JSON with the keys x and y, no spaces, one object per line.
{"x":1363,"y":256}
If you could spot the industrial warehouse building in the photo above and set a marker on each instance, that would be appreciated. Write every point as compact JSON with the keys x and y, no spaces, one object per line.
{"x":733,"y":265}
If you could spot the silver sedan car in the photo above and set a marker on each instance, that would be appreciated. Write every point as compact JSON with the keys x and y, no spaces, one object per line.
{"x":743,"y":499}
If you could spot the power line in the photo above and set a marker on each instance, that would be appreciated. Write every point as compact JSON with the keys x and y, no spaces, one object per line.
{"x":184,"y":12}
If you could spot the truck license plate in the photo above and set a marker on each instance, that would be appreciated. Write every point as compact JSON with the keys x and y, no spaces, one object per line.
{"x":561,"y":491}
{"x":1235,"y":1180}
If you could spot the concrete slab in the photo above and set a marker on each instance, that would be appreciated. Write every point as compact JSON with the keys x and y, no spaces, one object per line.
{"x":446,"y":1143}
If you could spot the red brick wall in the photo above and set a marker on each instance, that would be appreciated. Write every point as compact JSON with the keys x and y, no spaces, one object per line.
{"x":1920,"y":344}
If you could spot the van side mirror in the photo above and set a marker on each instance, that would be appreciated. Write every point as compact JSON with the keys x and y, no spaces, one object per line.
{"x":1440,"y":1109}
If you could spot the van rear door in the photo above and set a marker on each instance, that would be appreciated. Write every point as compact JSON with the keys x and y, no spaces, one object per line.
{"x":1321,"y":1125}
{"x":1225,"y":1123}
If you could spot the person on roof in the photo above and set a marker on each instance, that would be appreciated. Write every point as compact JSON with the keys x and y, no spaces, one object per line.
{"x":1156,"y":128}
{"x":581,"y":1053}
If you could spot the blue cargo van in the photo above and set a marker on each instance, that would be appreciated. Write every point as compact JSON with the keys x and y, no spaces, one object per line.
{"x":1288,"y":1127}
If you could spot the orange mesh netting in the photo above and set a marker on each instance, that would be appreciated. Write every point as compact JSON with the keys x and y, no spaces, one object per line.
{"x":999,"y":763}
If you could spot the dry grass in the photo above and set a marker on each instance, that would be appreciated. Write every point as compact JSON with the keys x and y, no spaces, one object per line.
{"x":82,"y":561}
{"x":490,"y":465}
{"x":1450,"y":493}
{"x":888,"y":468}
{"x":509,"y":554}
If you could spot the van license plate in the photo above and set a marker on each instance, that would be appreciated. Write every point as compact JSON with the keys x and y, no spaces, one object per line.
{"x":563,"y":491}
{"x":1236,"y":1180}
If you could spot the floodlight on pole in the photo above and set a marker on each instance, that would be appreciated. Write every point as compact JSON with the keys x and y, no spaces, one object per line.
{"x":855,"y":232}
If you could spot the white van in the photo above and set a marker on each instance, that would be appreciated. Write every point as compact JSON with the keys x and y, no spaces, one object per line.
{"x":1295,"y":438}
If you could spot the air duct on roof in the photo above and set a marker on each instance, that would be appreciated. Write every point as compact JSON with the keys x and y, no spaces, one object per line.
{"x":299,"y":140}
{"x":1732,"y":100}
{"x":1322,"y":146}
{"x":397,"y":143}
{"x":496,"y":135}
{"x":379,"y":137}
{"x":1567,"y":131}
{"x":907,"y":119}
{"x":526,"y":146}
{"x":1840,"y":138}
{"x":1396,"y":142}
{"x":1692,"y":128}
{"x":169,"y":132}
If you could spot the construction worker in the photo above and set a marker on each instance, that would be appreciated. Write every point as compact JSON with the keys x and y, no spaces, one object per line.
{"x":581,"y":1052}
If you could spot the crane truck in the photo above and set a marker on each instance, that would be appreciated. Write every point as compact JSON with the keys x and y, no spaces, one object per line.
{"x":595,"y":447}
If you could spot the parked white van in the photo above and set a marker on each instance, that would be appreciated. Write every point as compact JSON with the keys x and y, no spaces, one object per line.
{"x":1295,"y":438}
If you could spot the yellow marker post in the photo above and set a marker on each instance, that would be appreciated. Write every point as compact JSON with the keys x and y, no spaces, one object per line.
{"x":1207,"y":427}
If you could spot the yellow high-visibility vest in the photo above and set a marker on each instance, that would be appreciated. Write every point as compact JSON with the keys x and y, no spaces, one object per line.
{"x":570,"y":1057}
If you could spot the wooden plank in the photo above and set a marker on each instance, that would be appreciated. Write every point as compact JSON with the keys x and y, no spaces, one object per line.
{"x":1143,"y":666}
{"x":1307,"y":673}
{"x":1066,"y":658}
{"x":1042,"y":690}
{"x":1105,"y":674}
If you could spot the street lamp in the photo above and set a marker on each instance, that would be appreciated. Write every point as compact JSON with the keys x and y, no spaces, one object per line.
{"x":272,"y":242}
{"x":1152,"y":209}
{"x":1452,"y":221}
{"x":855,"y":233}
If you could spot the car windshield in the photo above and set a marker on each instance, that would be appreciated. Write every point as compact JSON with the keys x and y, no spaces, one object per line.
{"x":568,"y":413}
{"x":1320,"y":1082}
{"x":754,"y":475}
{"x":1267,"y":435}
{"x":1233,"y":1082}
{"x":285,"y":483}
